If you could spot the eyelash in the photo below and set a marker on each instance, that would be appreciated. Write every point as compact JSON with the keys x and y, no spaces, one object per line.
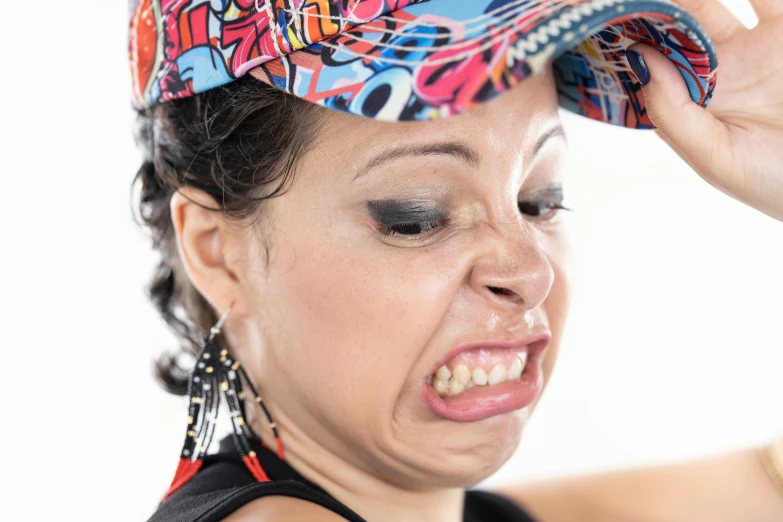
{"x":430,"y":226}
{"x":555,"y":206}
{"x":425,"y":225}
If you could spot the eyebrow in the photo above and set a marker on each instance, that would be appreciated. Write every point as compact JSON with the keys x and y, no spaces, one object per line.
{"x":461,"y":151}
{"x":452,"y":148}
{"x":555,"y":132}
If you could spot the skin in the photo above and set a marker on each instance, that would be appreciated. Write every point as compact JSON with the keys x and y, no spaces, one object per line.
{"x":339,"y":325}
{"x":736,"y":144}
{"x":343,"y":343}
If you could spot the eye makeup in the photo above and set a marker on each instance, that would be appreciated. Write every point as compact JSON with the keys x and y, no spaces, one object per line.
{"x":393,"y":212}
{"x":542,"y":204}
{"x":550,"y":194}
{"x":417,"y":220}
{"x":414,"y":220}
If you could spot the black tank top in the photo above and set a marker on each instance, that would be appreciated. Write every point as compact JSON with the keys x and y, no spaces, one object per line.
{"x":223,"y":485}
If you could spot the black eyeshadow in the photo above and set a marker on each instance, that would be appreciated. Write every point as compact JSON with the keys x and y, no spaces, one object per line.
{"x":392,"y":212}
{"x":552,"y":193}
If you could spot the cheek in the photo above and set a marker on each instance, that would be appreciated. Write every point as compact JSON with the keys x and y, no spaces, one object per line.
{"x":352,"y":326}
{"x":557,"y":303}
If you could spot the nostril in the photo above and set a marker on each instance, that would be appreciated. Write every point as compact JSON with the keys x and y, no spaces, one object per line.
{"x":501,"y":291}
{"x":505,"y":291}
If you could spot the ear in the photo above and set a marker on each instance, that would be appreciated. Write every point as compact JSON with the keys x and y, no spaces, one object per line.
{"x":201,"y":233}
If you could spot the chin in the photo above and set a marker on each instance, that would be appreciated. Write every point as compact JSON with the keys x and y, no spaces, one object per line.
{"x":473,"y":452}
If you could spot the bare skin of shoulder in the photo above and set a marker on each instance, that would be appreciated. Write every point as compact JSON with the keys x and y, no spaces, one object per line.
{"x":732,"y":487}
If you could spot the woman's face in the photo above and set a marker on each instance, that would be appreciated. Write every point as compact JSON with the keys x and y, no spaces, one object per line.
{"x":397,"y":244}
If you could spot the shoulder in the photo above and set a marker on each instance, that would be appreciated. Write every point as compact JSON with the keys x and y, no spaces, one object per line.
{"x":282,"y":509}
{"x":598,"y":497}
{"x":547,"y":501}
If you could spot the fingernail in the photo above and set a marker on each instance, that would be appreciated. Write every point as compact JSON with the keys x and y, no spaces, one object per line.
{"x":639,"y":68}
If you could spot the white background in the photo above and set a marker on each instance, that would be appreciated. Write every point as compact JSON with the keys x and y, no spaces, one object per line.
{"x":673,"y":349}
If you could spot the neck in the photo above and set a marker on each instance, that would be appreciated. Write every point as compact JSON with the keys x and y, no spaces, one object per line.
{"x":372,"y":497}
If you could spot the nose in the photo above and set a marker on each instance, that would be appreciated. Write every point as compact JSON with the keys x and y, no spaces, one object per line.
{"x":511,"y":268}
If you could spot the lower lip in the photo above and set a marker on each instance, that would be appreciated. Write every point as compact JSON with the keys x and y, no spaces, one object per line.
{"x":481,"y":402}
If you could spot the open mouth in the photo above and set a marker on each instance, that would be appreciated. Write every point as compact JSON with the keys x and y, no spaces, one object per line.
{"x":482,"y":367}
{"x":483,"y":381}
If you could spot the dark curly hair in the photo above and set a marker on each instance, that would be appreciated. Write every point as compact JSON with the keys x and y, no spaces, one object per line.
{"x":239,"y":143}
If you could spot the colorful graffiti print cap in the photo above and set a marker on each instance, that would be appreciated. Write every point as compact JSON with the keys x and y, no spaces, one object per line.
{"x":414,"y":59}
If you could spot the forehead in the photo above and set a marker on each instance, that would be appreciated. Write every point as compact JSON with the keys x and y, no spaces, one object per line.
{"x":506,"y":126}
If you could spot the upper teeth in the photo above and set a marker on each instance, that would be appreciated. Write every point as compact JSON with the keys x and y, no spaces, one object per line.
{"x":454,"y":382}
{"x":443,"y":373}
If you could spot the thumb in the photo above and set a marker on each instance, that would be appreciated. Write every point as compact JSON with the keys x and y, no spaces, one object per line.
{"x":688,"y":128}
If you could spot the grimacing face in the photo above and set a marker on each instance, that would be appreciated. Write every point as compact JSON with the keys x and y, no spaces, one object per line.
{"x":342,"y":325}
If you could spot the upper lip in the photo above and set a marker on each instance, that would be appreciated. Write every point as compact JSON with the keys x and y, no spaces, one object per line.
{"x":541,"y":341}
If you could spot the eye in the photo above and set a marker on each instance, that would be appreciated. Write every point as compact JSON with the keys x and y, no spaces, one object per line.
{"x":542,"y":204}
{"x":415,"y":220}
{"x":410,"y":229}
{"x":541,"y":210}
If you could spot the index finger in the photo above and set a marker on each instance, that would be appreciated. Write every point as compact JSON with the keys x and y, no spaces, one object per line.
{"x":766,"y":9}
{"x":719,"y":22}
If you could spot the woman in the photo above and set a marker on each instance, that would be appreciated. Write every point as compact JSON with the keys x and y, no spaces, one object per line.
{"x":397,"y":290}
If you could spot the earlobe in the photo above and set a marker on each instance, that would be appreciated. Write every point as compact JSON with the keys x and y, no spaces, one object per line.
{"x":200,"y":234}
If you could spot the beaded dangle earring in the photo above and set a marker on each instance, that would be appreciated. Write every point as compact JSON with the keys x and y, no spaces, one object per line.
{"x":216,"y":374}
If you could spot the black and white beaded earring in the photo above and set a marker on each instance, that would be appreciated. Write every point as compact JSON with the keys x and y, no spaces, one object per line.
{"x":216,"y":374}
